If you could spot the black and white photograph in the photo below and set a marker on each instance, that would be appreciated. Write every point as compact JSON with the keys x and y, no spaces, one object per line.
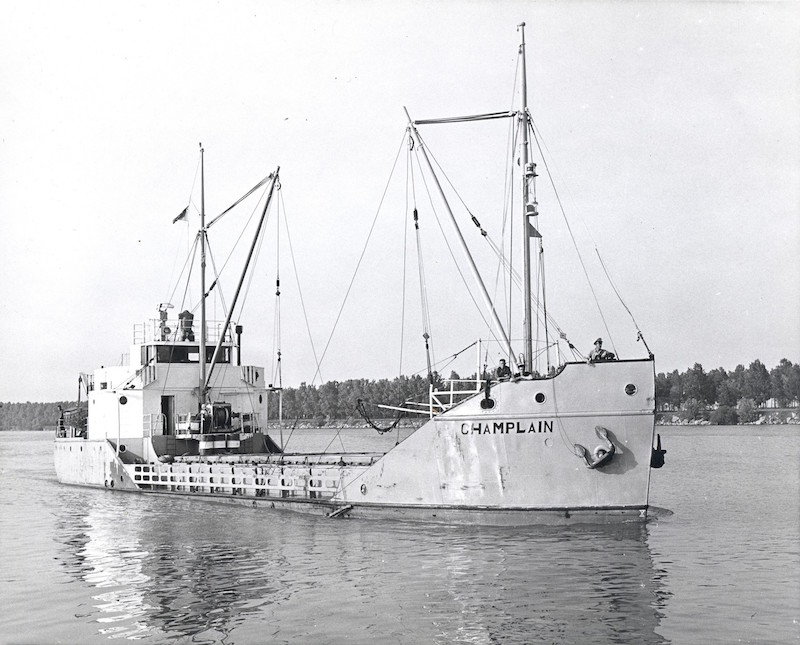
{"x":402,"y":322}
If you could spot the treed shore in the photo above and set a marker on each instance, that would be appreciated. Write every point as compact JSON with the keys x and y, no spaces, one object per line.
{"x":744,"y":395}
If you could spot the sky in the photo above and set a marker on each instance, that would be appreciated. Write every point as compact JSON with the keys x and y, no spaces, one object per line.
{"x":672,"y":131}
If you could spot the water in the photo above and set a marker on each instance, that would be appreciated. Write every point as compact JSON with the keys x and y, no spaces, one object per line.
{"x":96,"y":566}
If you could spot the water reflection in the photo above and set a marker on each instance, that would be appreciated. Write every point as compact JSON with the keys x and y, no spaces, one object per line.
{"x":167,"y":572}
{"x":589,"y":584}
{"x":168,"y":569}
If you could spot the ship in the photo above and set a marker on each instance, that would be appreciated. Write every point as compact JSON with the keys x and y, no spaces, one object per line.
{"x":553,"y":442}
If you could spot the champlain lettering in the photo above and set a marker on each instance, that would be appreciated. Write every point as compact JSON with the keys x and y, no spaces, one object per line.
{"x":507,"y":427}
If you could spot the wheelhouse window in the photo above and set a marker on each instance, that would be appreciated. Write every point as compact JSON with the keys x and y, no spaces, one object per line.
{"x":183,"y":354}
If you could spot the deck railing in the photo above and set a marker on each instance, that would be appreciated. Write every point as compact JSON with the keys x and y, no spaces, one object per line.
{"x":456,"y":391}
{"x":156,"y":330}
{"x":267,"y":480}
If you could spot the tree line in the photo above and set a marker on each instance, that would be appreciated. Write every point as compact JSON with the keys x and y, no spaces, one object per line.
{"x":720,"y":396}
{"x":727,"y":398}
{"x":31,"y":416}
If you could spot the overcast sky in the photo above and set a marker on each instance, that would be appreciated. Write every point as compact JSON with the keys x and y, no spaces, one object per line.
{"x":673,"y":129}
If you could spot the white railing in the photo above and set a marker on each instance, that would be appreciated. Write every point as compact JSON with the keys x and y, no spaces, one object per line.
{"x":442,"y":400}
{"x":173,"y":330}
{"x":154,"y":424}
{"x":268,"y":480}
{"x":69,"y":432}
{"x":188,"y":425}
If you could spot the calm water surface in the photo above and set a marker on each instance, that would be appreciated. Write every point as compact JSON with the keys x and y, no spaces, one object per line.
{"x":96,"y":566}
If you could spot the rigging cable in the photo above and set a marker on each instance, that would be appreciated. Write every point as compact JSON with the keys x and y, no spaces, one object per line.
{"x":276,"y":325}
{"x":192,"y":252}
{"x":466,"y":119}
{"x":225,"y":366}
{"x":254,"y":262}
{"x":544,"y":306}
{"x":405,"y":260}
{"x":360,"y":259}
{"x":478,"y":308}
{"x":534,"y":133}
{"x":191,"y":256}
{"x":297,"y":282}
{"x":499,"y":253}
{"x":639,"y":336}
{"x":240,"y":200}
{"x":185,"y":219}
{"x":423,"y":287}
{"x":277,"y":374}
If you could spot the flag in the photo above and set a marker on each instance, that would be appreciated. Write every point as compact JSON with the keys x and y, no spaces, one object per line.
{"x":532,"y":232}
{"x":182,"y":215}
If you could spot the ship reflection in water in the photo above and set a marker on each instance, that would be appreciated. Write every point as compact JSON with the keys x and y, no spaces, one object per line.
{"x":169,"y":569}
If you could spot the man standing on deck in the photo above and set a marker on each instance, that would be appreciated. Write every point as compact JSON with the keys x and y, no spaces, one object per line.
{"x":503,"y":371}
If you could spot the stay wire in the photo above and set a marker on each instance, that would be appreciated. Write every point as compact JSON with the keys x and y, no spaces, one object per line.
{"x":423,"y":285}
{"x":497,"y":250}
{"x":276,"y":324}
{"x":478,"y":308}
{"x":297,"y":282}
{"x":630,"y":313}
{"x":360,"y":259}
{"x":405,"y":260}
{"x":534,"y":133}
{"x":190,"y":262}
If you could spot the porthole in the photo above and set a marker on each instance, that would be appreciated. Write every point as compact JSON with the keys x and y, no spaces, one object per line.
{"x":487,"y":404}
{"x":630,"y":389}
{"x":363,"y":489}
{"x":540,"y":397}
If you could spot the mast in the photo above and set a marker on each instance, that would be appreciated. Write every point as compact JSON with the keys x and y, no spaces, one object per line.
{"x":529,"y":210}
{"x":201,"y":392}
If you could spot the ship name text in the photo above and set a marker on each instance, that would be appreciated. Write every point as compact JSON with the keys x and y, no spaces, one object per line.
{"x":507,"y":427}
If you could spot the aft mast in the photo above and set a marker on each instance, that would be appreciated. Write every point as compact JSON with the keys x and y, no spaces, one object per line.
{"x":201,"y":392}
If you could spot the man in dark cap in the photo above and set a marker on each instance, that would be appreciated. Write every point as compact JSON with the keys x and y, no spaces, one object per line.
{"x":598,"y":353}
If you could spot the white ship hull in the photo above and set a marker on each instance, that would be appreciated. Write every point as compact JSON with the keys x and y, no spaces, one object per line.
{"x":574,"y":445}
{"x":513,"y":463}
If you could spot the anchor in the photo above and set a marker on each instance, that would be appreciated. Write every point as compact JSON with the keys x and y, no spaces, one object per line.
{"x":601,"y":455}
{"x":657,"y":455}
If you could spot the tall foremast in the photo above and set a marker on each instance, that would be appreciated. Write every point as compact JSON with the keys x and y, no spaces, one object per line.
{"x":526,"y":213}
